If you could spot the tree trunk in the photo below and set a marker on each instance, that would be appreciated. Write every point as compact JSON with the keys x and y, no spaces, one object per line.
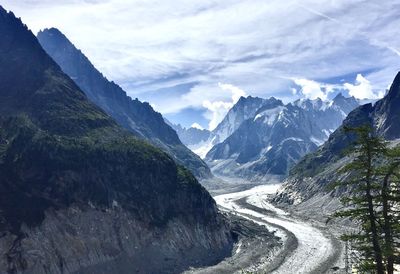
{"x":372,"y":217}
{"x":387,"y":227}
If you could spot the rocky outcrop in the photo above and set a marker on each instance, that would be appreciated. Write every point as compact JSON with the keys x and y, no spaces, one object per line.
{"x":88,"y":240}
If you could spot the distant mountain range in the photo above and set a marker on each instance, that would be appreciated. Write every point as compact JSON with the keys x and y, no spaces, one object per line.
{"x":201,"y":141}
{"x":307,"y":185}
{"x":195,"y":139}
{"x":137,"y":117}
{"x":260,"y":137}
{"x":81,"y":194}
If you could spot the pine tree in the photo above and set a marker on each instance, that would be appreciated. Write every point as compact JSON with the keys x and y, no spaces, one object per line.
{"x":390,"y":199}
{"x":363,"y":203}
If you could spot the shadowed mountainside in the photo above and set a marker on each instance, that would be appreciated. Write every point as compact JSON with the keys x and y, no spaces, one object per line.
{"x":78,"y":192}
{"x":137,"y":117}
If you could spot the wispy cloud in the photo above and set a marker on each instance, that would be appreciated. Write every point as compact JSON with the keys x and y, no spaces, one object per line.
{"x":259,"y":46}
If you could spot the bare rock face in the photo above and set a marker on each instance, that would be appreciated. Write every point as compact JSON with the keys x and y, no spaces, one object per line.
{"x":79,"y":194}
{"x":89,"y":240}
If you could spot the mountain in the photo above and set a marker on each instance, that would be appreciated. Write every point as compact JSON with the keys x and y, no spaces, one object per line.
{"x":137,"y":117}
{"x":309,"y":179}
{"x":277,"y":136}
{"x":197,"y":140}
{"x":80,"y":194}
{"x":201,"y":141}
{"x":191,"y":136}
{"x":244,"y":109}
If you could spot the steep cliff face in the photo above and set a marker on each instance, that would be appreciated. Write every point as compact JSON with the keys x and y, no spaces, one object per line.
{"x":244,"y":109}
{"x":79,"y":193}
{"x":137,"y":117}
{"x":309,"y":179}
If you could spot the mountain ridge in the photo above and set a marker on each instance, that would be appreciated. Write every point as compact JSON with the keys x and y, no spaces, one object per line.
{"x":277,"y":136}
{"x":137,"y":117}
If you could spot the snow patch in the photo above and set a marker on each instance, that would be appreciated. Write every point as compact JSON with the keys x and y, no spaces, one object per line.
{"x":316,"y":141}
{"x":203,"y":147}
{"x":293,"y":139}
{"x":269,"y":115}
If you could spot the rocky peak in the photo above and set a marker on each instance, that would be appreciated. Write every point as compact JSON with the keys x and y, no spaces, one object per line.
{"x":277,"y":136}
{"x":387,"y":112}
{"x":244,"y":109}
{"x":347,"y":104}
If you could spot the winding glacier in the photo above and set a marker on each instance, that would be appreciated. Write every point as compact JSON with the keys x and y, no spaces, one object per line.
{"x":314,"y":248}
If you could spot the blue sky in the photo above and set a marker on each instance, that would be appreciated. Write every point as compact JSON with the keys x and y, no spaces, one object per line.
{"x":193,"y":59}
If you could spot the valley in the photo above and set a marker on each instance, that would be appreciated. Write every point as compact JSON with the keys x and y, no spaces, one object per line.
{"x":305,"y":246}
{"x":191,"y":163}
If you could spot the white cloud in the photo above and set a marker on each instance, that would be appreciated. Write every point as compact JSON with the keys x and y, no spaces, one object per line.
{"x":154,"y":44}
{"x":216,"y":112}
{"x":362,"y":89}
{"x":218,"y":109}
{"x":236,"y":92}
{"x":312,"y":90}
{"x":151,"y":40}
{"x":196,"y":125}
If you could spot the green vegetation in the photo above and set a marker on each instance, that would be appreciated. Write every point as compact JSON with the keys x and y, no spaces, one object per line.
{"x":59,"y":149}
{"x":374,"y":201}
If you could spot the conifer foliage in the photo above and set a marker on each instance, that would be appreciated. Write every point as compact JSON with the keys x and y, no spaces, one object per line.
{"x":374,"y":201}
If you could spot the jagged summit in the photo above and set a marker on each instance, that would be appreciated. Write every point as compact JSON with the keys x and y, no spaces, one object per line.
{"x":276,"y":136}
{"x":339,"y":96}
{"x":241,"y":111}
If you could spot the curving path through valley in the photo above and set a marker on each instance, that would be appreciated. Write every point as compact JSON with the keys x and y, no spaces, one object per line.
{"x":315,"y":252}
